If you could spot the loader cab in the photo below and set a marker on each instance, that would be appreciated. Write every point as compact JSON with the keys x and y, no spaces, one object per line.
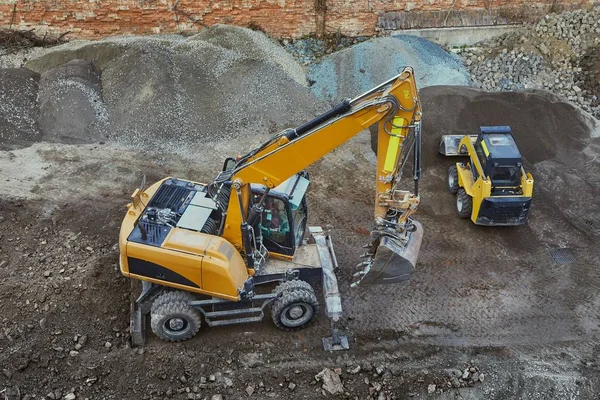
{"x":284,"y":218}
{"x":499,"y":156}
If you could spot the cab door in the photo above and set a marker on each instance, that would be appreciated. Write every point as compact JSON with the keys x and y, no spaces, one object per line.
{"x":277,"y":226}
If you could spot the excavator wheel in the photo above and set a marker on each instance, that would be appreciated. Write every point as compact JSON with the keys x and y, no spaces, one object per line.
{"x":294,"y":285}
{"x":452,"y":180}
{"x":175,"y":321}
{"x":170,"y":295}
{"x":296,"y":306}
{"x":464,"y":204}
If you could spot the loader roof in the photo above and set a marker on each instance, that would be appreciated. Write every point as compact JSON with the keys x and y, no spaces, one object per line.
{"x":500,"y":142}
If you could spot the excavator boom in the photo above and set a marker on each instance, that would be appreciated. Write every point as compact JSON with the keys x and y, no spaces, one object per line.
{"x":395,"y":107}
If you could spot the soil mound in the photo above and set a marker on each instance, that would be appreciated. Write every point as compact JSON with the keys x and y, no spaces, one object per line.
{"x":544,"y":126}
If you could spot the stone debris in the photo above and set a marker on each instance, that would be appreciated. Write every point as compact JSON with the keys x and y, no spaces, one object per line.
{"x":331,"y":381}
{"x":558,"y":54}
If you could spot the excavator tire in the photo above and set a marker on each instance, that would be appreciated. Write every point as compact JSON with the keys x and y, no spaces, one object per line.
{"x":294,"y":309}
{"x":464,"y":204}
{"x":294,"y":285}
{"x":452,"y":180}
{"x":172,"y":296}
{"x":175,"y":322}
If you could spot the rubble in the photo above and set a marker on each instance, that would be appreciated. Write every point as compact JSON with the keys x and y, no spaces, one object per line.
{"x":558,"y":54}
{"x":331,"y":381}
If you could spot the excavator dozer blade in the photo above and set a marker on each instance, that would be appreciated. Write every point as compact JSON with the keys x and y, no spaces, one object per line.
{"x":394,"y":260}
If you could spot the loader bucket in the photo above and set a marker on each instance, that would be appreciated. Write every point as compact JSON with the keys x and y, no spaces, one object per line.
{"x":449,"y":144}
{"x":394,"y":260}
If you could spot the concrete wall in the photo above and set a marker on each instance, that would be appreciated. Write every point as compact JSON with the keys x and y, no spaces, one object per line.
{"x":279,"y":18}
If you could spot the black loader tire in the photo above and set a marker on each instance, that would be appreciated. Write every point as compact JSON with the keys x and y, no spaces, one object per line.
{"x":452,"y":179}
{"x":464,"y":204}
{"x":294,"y":309}
{"x":175,"y":322}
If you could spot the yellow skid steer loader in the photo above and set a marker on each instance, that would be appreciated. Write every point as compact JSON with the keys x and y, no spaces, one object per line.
{"x":492,"y":188}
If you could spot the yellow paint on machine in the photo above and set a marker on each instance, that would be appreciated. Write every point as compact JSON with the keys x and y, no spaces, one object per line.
{"x":485,"y":149}
{"x":394,"y":144}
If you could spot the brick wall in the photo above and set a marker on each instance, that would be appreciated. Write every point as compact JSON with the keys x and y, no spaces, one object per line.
{"x":279,"y":18}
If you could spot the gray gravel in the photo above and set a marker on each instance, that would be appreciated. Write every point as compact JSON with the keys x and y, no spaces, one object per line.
{"x":354,"y":70}
{"x":174,"y":94}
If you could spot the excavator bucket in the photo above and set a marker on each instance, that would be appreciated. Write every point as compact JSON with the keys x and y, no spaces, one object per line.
{"x":395,"y":259}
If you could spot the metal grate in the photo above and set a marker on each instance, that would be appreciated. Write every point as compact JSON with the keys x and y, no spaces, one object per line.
{"x":562,"y":255}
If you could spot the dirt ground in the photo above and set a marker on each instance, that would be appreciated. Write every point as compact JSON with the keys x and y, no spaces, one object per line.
{"x":491,"y":298}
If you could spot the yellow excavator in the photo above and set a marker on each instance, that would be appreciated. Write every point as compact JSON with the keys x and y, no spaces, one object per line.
{"x":213,"y":251}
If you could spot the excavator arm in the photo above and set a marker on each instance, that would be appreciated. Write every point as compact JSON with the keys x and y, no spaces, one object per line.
{"x":395,"y":107}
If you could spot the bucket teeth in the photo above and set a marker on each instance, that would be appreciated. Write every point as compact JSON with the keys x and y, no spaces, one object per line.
{"x":366,"y":255}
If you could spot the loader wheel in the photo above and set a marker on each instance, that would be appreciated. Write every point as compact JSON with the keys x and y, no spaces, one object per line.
{"x":294,"y":309}
{"x":452,"y":179}
{"x":172,"y":296}
{"x":175,"y":322}
{"x":464,"y":204}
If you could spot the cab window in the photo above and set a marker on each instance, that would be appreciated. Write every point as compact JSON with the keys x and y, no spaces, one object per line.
{"x":480,"y":154}
{"x":505,"y":175}
{"x":299,"y":215}
{"x":275,"y":222}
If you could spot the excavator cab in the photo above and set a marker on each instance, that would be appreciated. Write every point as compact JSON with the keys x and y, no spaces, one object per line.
{"x":283,"y":220}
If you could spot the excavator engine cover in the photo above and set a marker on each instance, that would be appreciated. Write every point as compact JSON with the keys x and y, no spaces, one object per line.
{"x":395,"y":259}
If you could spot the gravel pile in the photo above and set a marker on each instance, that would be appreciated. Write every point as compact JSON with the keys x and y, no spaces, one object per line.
{"x":357,"y":69}
{"x":310,"y":50}
{"x":558,"y":54}
{"x":18,"y":107}
{"x":175,"y":94}
{"x":71,"y":106}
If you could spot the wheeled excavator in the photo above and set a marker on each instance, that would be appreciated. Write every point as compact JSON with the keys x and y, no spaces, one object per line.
{"x":213,"y":251}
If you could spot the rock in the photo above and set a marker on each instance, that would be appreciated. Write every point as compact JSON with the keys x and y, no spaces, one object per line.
{"x":367,"y":367}
{"x":431,"y":389}
{"x":251,"y":360}
{"x":466,"y":374}
{"x":70,"y":396}
{"x":249,"y":390}
{"x":353,"y":370}
{"x":7,"y":373}
{"x":73,"y":353}
{"x":331,"y":381}
{"x":47,"y":274}
{"x":455,"y":382}
{"x":292,"y":386}
{"x":82,"y":340}
{"x":212,"y":378}
{"x":108,"y":345}
{"x":481,"y":376}
{"x":216,"y":397}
